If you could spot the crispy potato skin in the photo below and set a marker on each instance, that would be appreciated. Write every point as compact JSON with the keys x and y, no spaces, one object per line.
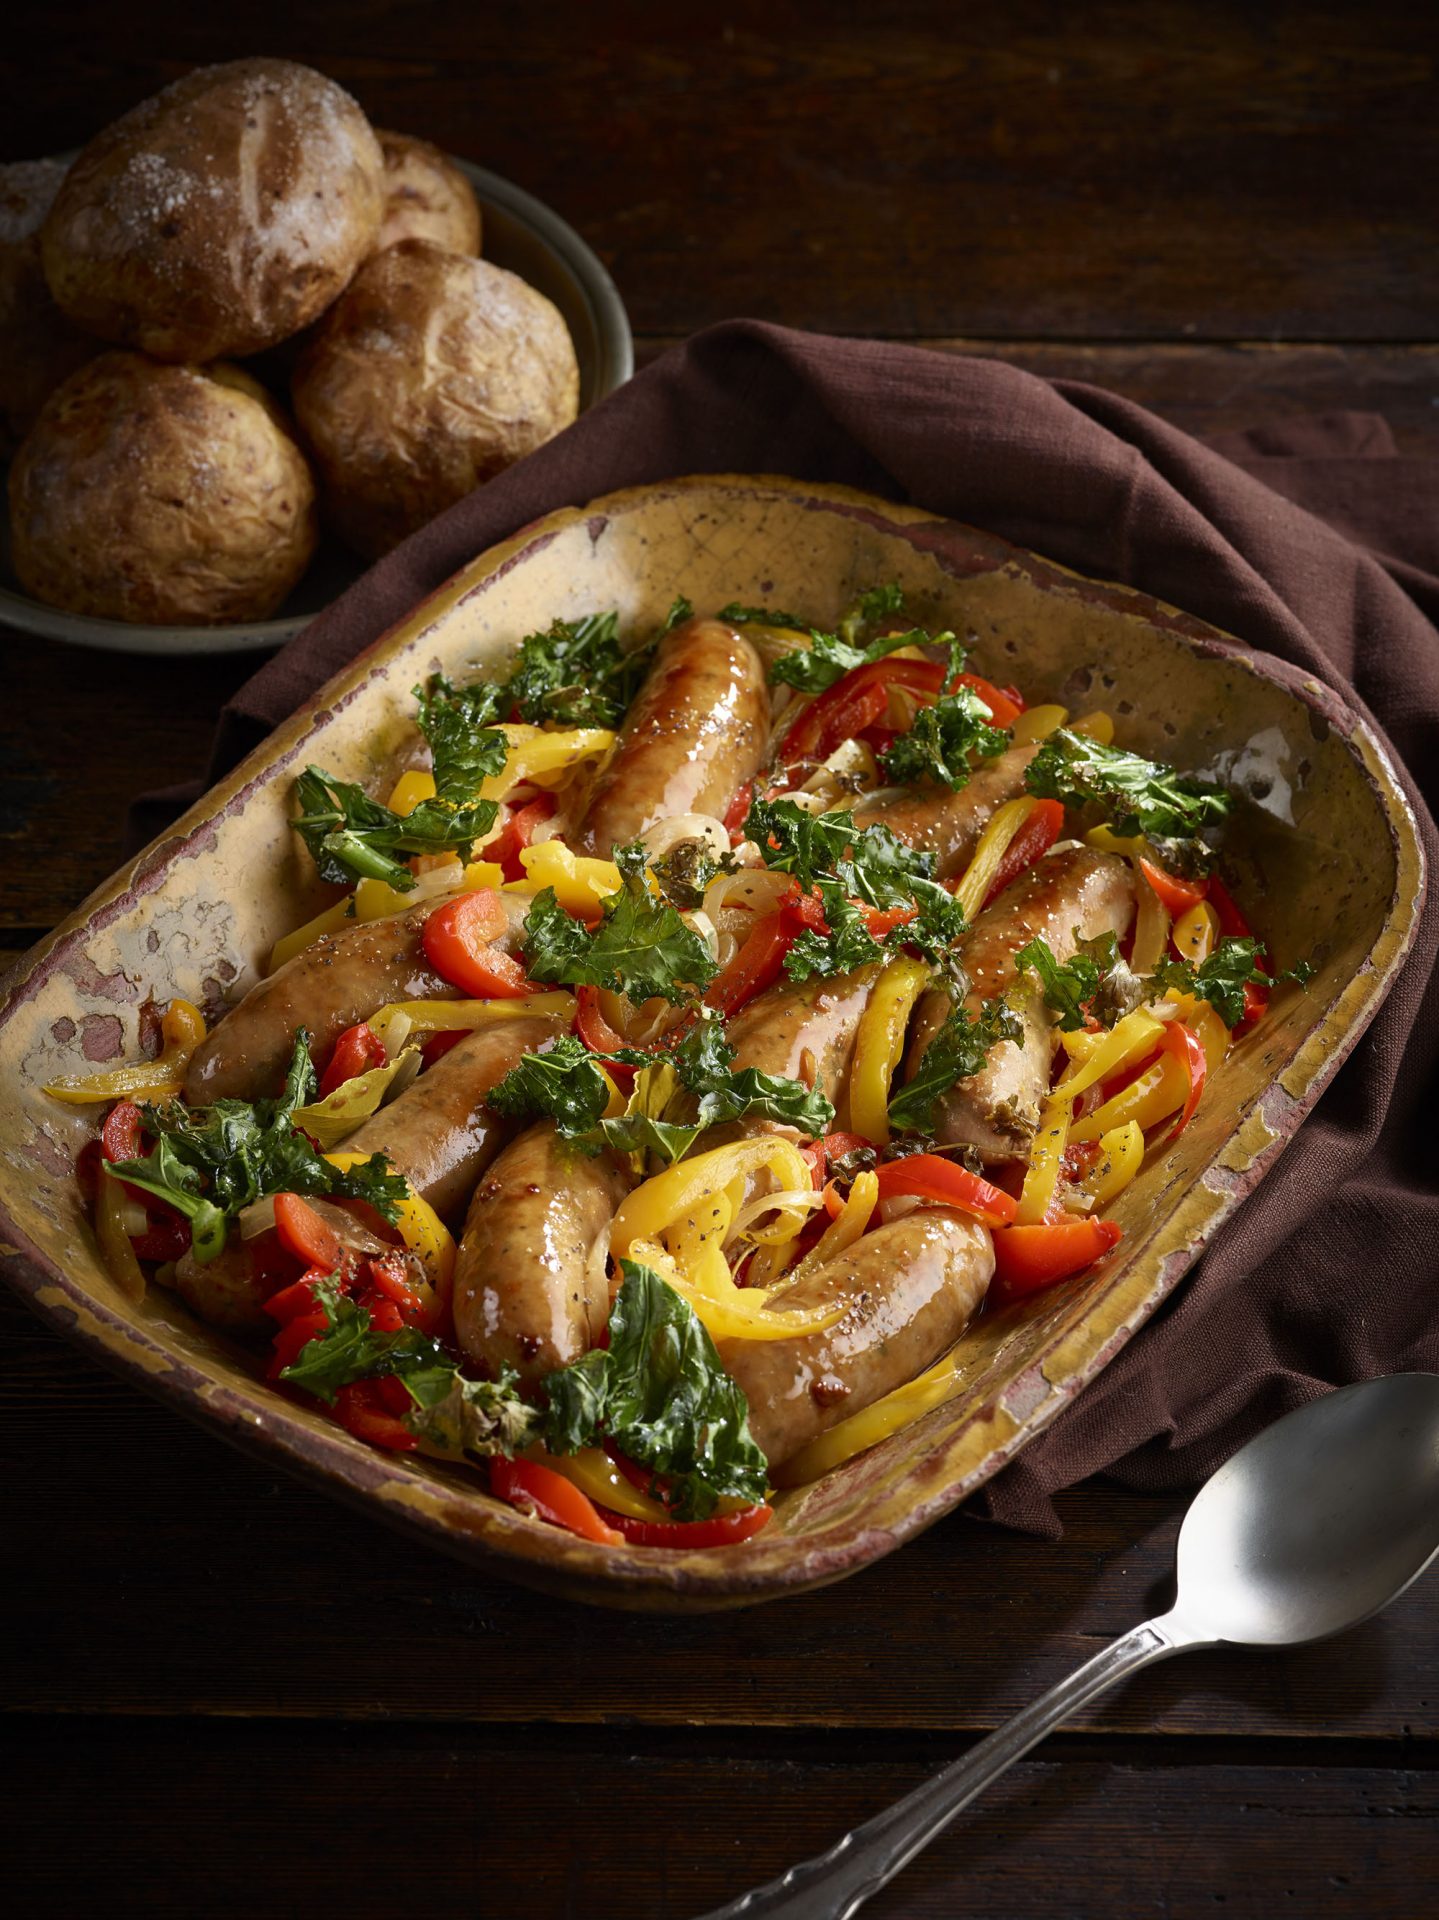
{"x":426,"y":197}
{"x":161,"y":494}
{"x":432,"y":373}
{"x":218,"y":216}
{"x":39,"y":347}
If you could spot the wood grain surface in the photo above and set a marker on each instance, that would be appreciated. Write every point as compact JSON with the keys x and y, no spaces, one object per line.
{"x":235,"y":1698}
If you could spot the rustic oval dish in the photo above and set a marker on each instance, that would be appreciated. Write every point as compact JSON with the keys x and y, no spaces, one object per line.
{"x":1330,"y":868}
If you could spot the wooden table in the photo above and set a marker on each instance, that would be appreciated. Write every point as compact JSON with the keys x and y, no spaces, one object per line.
{"x":229,"y":1696}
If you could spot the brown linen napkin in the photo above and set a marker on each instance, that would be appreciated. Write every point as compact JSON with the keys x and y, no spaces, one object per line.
{"x":1329,"y":1272}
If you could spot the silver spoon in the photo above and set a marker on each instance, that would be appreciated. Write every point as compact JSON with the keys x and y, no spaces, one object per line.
{"x":1320,"y":1521}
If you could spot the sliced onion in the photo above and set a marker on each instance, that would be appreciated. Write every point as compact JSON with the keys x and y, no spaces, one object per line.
{"x":898,"y":1205}
{"x":700,"y":923}
{"x":665,"y":834}
{"x":257,"y":1218}
{"x":789,"y":1201}
{"x":406,"y":1073}
{"x":133,"y":1218}
{"x":758,"y":890}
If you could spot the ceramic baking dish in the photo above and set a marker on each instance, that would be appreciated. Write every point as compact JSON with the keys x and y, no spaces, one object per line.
{"x":1329,"y":868}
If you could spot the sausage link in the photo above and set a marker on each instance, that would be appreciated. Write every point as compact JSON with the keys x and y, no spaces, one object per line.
{"x":804,"y":1030}
{"x":1073,"y":895}
{"x":910,"y":1289}
{"x":340,"y":980}
{"x":525,"y":1293}
{"x":946,"y":824}
{"x":695,"y":733}
{"x":440,"y":1133}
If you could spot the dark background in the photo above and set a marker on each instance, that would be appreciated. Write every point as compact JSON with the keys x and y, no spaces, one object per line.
{"x":227,"y":1696}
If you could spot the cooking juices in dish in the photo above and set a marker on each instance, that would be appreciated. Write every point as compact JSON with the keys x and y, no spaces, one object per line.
{"x":697,"y":1041}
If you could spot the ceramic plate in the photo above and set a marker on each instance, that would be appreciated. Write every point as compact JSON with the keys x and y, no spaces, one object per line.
{"x":520,"y":233}
{"x":1330,"y":868}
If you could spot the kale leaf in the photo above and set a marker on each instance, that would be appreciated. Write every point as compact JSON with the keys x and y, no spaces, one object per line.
{"x":1095,"y":981}
{"x":1135,"y":795}
{"x":564,"y":1084}
{"x":212,"y":1162}
{"x":957,"y":1051}
{"x":941,"y":739}
{"x":641,"y":948}
{"x":1222,"y":978}
{"x":353,"y":837}
{"x":577,"y":673}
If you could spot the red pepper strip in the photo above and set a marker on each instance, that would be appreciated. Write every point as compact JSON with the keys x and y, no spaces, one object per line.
{"x":590,"y":1023}
{"x":547,"y":1495}
{"x":517,"y":833}
{"x":1029,"y":1259}
{"x":833,"y":1200}
{"x":361,"y":1410}
{"x":390,"y":1278}
{"x":737,"y":812}
{"x":882,"y":920}
{"x":292,"y":1338}
{"x":853,"y":703}
{"x":1178,"y":895}
{"x":439,"y":1044}
{"x":1035,"y":837}
{"x":821,"y":1154}
{"x":723,"y":1530}
{"x":1126,"y":1077}
{"x":1184,"y":1043}
{"x":932,"y":1178}
{"x":297,"y":1298}
{"x":457,"y":941}
{"x":357,"y":1050}
{"x":120,"y":1137}
{"x":1004,"y":706}
{"x":304,"y":1233}
{"x":385,"y":1316}
{"x":756,"y":966}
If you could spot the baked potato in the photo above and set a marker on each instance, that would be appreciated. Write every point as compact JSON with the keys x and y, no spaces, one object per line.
{"x":161,"y":494}
{"x":219,"y":216}
{"x":38,"y":345}
{"x":432,"y":373}
{"x":426,"y":196}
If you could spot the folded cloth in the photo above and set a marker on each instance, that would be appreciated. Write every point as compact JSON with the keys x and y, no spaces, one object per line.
{"x":1328,"y":1273}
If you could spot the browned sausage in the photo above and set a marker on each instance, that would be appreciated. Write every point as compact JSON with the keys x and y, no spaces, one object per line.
{"x":1075,"y":894}
{"x":340,"y":980}
{"x":946,"y":824}
{"x":527,"y":1294}
{"x":439,"y":1133}
{"x":696,"y":732}
{"x":804,"y":1031}
{"x":911,"y":1289}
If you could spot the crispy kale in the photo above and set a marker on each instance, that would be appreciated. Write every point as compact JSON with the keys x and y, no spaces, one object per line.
{"x":957,"y":1051}
{"x":641,"y":948}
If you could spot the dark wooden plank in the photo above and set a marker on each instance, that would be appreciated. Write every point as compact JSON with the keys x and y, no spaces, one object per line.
{"x":231,"y":1820}
{"x":1147,"y":171}
{"x":143,"y":1540}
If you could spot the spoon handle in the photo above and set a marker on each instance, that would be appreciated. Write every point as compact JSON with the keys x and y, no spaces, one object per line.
{"x":834,"y":1885}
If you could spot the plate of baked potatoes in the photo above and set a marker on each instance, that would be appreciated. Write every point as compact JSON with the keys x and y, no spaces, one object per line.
{"x":249,"y":343}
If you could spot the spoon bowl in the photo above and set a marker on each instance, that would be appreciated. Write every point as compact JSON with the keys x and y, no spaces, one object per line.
{"x":1320,"y":1521}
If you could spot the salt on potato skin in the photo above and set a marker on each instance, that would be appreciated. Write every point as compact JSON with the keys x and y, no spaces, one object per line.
{"x":219,"y":216}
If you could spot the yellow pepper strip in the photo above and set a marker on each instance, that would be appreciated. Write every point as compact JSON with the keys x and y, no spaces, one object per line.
{"x":1037,"y":723}
{"x":338,"y":1114}
{"x":1046,"y":1157}
{"x":1151,"y":925}
{"x":181,"y":1031}
{"x":842,"y":1233}
{"x":409,"y":791}
{"x":1121,"y":1157}
{"x":1195,"y":933}
{"x":420,"y":1227}
{"x":879,"y":1043}
{"x":534,"y":750}
{"x":1161,"y":1090}
{"x":333,"y":920}
{"x":1214,"y":1036}
{"x":1107,"y":841}
{"x":580,"y":883}
{"x":872,"y":1424}
{"x":125,"y":1270}
{"x":459,"y":1016}
{"x":376,"y":901}
{"x":993,"y":845}
{"x":1131,"y":1038}
{"x":594,"y":1473}
{"x":1097,"y":726}
{"x":736,"y":1313}
{"x":670,"y":1197}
